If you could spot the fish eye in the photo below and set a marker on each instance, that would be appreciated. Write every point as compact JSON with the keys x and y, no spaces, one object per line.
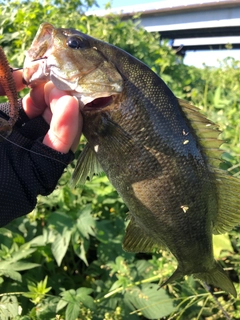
{"x":75,"y":42}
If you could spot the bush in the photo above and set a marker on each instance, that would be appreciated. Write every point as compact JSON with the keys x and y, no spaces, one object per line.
{"x":65,"y":259}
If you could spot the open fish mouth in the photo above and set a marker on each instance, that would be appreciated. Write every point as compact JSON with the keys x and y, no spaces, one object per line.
{"x":99,"y":103}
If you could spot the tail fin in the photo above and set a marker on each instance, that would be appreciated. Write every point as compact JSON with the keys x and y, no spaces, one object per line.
{"x":218,"y":278}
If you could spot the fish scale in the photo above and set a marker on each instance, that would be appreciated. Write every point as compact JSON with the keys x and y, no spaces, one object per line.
{"x":159,"y":152}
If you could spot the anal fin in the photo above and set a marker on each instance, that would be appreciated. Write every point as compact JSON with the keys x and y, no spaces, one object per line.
{"x":136,"y":240}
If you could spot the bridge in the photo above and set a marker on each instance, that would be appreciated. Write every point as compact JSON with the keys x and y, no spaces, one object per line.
{"x":194,"y":25}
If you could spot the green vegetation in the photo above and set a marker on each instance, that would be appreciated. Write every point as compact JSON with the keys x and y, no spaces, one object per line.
{"x":65,"y":260}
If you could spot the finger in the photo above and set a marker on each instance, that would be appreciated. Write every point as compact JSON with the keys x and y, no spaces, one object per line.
{"x":17,"y":75}
{"x":49,"y":86}
{"x":66,"y":124}
{"x":34,"y":103}
{"x":51,"y":95}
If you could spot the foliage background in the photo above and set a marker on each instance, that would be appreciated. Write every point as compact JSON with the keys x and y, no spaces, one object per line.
{"x":65,"y":260}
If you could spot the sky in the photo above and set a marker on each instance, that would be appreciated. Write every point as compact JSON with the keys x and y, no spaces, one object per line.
{"x":120,"y":3}
{"x":196,"y":58}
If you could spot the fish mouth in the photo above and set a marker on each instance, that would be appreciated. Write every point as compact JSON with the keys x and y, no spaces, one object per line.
{"x":39,"y":72}
{"x":98,"y":104}
{"x":36,"y":72}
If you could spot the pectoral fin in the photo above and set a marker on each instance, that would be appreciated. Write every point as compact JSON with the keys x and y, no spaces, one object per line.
{"x":136,"y":240}
{"x":87,"y":165}
{"x":119,"y":141}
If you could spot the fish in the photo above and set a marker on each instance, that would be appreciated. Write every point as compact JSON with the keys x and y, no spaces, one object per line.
{"x":159,"y":152}
{"x":8,"y":84}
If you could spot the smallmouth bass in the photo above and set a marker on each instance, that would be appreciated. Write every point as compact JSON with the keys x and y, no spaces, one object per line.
{"x":159,"y":152}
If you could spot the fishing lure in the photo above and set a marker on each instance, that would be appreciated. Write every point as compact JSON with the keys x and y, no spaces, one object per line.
{"x":8,"y":84}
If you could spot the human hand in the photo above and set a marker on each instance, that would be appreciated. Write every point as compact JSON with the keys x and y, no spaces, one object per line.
{"x":59,"y":110}
{"x":34,"y":155}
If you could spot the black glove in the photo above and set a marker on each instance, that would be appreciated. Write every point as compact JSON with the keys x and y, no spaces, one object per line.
{"x":28,"y":167}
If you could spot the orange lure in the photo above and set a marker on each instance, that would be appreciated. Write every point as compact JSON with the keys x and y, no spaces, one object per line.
{"x":8,"y":84}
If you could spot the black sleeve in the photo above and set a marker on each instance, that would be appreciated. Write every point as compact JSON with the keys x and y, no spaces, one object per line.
{"x":27,"y":167}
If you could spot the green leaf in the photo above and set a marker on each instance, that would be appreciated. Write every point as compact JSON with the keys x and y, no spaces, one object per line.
{"x":85,"y":222}
{"x":8,"y":307}
{"x":88,"y":302}
{"x":84,"y":291}
{"x":11,"y":274}
{"x":60,"y":245}
{"x":221,"y":242}
{"x":82,"y":250}
{"x":61,"y":221}
{"x":144,"y":268}
{"x":21,"y":253}
{"x":37,"y":291}
{"x":83,"y":296}
{"x":21,"y":265}
{"x":150,"y":301}
{"x":74,"y":299}
{"x":70,"y":299}
{"x":69,"y":295}
{"x":72,"y":311}
{"x":61,"y":304}
{"x":46,"y":309}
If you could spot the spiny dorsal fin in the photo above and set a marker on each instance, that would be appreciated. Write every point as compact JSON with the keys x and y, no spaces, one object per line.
{"x":207,"y":132}
{"x":87,"y":165}
{"x":136,"y":240}
{"x":228,"y":189}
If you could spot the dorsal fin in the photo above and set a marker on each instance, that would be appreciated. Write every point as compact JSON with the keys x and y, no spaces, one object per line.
{"x":228,"y":189}
{"x":207,"y":132}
